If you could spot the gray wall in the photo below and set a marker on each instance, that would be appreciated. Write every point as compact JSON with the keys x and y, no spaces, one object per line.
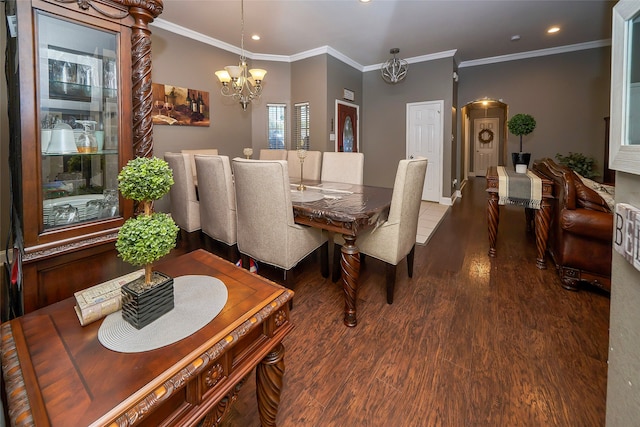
{"x":341,"y":76}
{"x":309,"y":84}
{"x":384,"y":118}
{"x":623,"y":393}
{"x":567,"y":94}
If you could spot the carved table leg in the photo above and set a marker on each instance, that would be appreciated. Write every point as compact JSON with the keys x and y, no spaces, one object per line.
{"x":543,"y":220}
{"x":269,"y":374}
{"x":493,"y":218}
{"x":350,"y":264}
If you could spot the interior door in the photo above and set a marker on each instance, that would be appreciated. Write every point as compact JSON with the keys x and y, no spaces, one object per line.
{"x":486,"y":143}
{"x":424,"y":138}
{"x":347,"y":127}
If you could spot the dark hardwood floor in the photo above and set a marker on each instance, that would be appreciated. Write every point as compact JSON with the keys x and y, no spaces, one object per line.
{"x":469,"y":341}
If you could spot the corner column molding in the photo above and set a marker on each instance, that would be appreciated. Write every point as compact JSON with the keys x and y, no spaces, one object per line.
{"x":143,"y":13}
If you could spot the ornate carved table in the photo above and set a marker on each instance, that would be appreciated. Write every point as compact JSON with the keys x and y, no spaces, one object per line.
{"x":347,"y":209}
{"x":542,"y":215}
{"x":56,"y":372}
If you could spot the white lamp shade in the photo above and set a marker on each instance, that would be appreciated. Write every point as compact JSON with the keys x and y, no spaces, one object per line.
{"x":223,"y":76}
{"x":234,"y":71}
{"x":258,"y":73}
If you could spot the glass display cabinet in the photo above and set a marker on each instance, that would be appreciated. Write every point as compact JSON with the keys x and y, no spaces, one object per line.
{"x":80,"y":85}
{"x":78,"y":111}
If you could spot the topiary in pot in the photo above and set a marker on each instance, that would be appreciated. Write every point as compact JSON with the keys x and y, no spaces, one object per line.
{"x":145,"y":239}
{"x":521,"y":124}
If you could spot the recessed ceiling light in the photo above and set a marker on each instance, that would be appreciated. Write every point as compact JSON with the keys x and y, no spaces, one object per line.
{"x":365,"y":1}
{"x":553,"y":30}
{"x":515,"y":37}
{"x":255,"y":37}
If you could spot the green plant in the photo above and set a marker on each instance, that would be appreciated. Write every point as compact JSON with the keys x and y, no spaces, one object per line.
{"x":579,"y":163}
{"x":521,"y":124}
{"x":151,"y":235}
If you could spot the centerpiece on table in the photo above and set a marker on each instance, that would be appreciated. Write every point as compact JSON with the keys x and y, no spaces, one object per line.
{"x":146,"y":238}
{"x":520,"y":125}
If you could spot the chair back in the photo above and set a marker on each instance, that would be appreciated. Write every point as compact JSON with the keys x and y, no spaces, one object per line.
{"x":185,"y":208}
{"x":343,"y":167}
{"x":406,"y":200}
{"x":271,"y":154}
{"x":217,"y":198}
{"x":311,"y":168}
{"x":193,"y":152}
{"x":264,"y":209}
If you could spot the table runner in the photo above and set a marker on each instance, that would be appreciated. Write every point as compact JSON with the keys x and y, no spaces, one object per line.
{"x":519,"y":189}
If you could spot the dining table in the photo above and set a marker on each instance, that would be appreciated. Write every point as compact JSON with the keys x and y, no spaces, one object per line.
{"x":348,"y":209}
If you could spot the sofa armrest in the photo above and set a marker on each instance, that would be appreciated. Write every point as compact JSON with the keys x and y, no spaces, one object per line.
{"x":594,"y":224}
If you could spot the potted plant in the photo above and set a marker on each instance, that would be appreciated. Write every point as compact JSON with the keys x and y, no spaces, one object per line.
{"x":520,"y":125}
{"x":579,"y":163}
{"x":146,"y":238}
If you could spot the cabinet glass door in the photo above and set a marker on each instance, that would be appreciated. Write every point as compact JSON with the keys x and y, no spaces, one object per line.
{"x":78,"y":114}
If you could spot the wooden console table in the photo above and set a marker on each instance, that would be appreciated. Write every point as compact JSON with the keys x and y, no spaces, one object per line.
{"x":56,"y":373}
{"x":542,"y":215}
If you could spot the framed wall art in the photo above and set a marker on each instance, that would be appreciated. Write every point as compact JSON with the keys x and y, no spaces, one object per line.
{"x":179,"y":106}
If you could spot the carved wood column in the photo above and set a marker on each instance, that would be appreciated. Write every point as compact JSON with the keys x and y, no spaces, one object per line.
{"x":143,"y":12}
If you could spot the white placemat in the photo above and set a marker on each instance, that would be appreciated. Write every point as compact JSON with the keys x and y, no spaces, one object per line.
{"x":306,"y":196}
{"x":197,"y":300}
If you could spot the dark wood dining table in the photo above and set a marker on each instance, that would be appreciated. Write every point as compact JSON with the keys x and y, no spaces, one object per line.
{"x":348,"y":209}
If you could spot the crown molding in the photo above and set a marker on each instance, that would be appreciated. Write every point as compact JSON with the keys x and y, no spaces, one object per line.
{"x":416,"y":59}
{"x":186,"y":32}
{"x":536,"y":53}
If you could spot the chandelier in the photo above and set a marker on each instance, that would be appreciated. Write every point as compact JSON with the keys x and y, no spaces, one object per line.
{"x":394,"y":70}
{"x":237,"y":82}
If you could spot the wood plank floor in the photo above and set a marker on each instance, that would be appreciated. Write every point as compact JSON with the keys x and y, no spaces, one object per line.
{"x":469,"y":341}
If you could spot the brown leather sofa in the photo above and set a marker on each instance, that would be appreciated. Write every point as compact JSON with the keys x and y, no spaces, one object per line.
{"x":581,"y":229}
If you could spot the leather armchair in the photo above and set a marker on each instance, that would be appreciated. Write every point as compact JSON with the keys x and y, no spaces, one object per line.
{"x":580,"y":236}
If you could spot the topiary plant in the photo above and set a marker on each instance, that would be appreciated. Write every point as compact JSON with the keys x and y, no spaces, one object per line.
{"x":149,"y":236}
{"x":521,"y":124}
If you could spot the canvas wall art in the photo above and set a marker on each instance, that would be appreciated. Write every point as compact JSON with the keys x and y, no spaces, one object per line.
{"x":179,"y":106}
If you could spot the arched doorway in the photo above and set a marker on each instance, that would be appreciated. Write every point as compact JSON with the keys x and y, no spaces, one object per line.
{"x":484,"y":132}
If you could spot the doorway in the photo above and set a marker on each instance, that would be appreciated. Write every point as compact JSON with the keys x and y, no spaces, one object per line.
{"x":347,"y":127}
{"x":424,"y":138}
{"x":484,"y":136}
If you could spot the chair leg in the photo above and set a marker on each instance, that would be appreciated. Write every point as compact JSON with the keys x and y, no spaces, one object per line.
{"x":410,"y":261}
{"x":232,"y":253}
{"x":335,"y":275}
{"x":246,"y":263}
{"x":324,"y":259}
{"x":391,"y":282}
{"x":290,"y":283}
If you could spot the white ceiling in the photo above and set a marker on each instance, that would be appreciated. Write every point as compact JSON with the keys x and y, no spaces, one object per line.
{"x":364,"y":32}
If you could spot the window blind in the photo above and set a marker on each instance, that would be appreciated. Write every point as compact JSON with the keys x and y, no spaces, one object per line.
{"x":301,"y":126}
{"x":276,"y":123}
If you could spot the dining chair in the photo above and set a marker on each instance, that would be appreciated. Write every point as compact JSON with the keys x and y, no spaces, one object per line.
{"x":395,"y":239}
{"x":185,"y":208}
{"x":218,"y":201}
{"x":272,"y":154}
{"x":342,"y":167}
{"x":266,"y":228}
{"x":311,"y":168}
{"x":193,"y":152}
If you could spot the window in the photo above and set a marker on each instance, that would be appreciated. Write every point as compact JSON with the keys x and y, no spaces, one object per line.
{"x":301,"y":126}
{"x":276,"y":117}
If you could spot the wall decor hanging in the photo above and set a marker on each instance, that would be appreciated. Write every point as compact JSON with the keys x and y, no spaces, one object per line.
{"x":174,"y":105}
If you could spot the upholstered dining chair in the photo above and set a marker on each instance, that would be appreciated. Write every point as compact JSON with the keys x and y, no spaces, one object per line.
{"x":185,"y":208}
{"x":193,"y":152}
{"x":272,"y":154}
{"x":218,"y":201}
{"x":266,"y":228}
{"x":311,"y":168}
{"x":342,"y":167}
{"x":395,"y":239}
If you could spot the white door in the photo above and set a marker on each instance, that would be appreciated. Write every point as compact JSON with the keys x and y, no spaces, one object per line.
{"x":486,"y":143}
{"x":424,"y":138}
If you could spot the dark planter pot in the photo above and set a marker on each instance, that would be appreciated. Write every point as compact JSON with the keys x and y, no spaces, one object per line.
{"x":142,"y":305}
{"x":521,"y":159}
